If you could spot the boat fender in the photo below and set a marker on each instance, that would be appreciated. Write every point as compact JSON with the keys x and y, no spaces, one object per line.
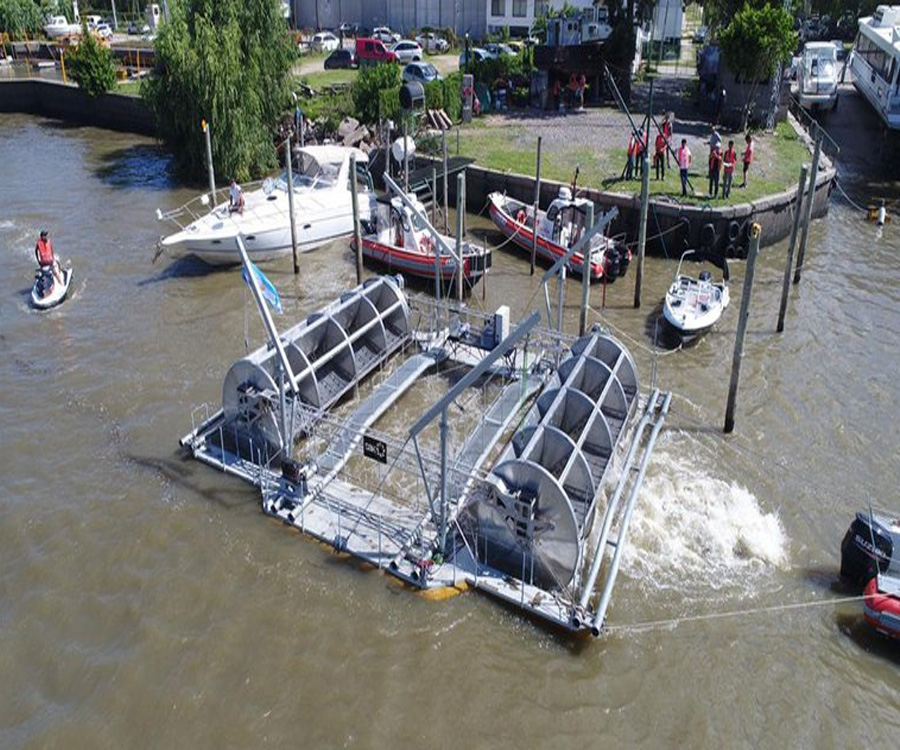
{"x":734,"y":229}
{"x":707,"y":237}
{"x":731,"y":252}
{"x":426,"y":244}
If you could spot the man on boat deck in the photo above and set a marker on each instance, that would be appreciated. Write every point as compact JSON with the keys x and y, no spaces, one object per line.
{"x":46,"y":258}
{"x":236,"y":204}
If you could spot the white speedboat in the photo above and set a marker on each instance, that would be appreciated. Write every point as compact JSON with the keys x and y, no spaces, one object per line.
{"x":558,"y":229}
{"x":47,"y":292}
{"x":58,"y":26}
{"x":323,"y":210}
{"x":817,"y":77}
{"x":694,"y":305}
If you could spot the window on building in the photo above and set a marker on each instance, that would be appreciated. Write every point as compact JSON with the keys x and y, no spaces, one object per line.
{"x":520,"y":8}
{"x":498,"y":7}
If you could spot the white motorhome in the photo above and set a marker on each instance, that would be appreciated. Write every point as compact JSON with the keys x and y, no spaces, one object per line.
{"x":874,"y":62}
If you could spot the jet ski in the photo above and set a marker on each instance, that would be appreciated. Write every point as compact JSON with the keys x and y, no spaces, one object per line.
{"x":47,"y":292}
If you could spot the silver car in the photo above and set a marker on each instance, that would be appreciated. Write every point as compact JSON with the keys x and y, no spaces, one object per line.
{"x":408,"y":51}
{"x":423,"y":72}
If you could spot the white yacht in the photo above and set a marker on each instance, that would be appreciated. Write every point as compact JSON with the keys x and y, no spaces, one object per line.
{"x":874,"y":62}
{"x":817,"y":78}
{"x":323,"y":210}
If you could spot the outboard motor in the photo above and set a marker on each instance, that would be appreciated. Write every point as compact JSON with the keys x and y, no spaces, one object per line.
{"x":865,"y":542}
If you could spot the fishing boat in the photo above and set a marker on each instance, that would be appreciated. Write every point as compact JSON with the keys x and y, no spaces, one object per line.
{"x":694,"y":305}
{"x":400,"y":240}
{"x":870,"y":559}
{"x":47,"y":292}
{"x":817,"y":78}
{"x":323,"y":211}
{"x":558,"y":229}
{"x":875,"y":62}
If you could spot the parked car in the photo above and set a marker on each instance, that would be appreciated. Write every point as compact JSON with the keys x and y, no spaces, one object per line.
{"x":136,"y":29}
{"x":103,"y":30}
{"x":348,"y":29}
{"x":496,"y":50}
{"x":423,"y":72}
{"x":431,"y":42}
{"x":340,"y":58}
{"x":700,"y":34}
{"x":407,"y":50}
{"x":370,"y":51}
{"x":384,"y":34}
{"x":476,"y":55}
{"x":324,"y":41}
{"x":92,"y":21}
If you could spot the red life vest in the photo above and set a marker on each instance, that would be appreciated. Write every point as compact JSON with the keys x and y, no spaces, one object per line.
{"x":660,"y":143}
{"x":44,"y":251}
{"x":715,"y":159}
{"x":748,"y":154}
{"x":684,"y":157}
{"x":729,"y":160}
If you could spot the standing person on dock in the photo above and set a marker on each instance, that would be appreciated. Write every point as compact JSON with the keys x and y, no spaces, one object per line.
{"x":667,"y":132}
{"x":729,"y":159}
{"x":573,"y":89}
{"x":684,"y":164}
{"x":715,"y":166}
{"x":629,"y":153}
{"x":556,"y":93}
{"x":747,"y":158}
{"x":659,"y":156}
{"x":582,"y":85}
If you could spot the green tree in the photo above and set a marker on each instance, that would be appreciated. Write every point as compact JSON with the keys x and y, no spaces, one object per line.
{"x":20,"y":17}
{"x":755,"y":42}
{"x":367,"y":92}
{"x":227,"y":62}
{"x":91,"y":65}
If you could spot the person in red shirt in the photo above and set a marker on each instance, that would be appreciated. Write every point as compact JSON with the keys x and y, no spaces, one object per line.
{"x":729,"y":159}
{"x":46,"y":258}
{"x":630,"y":153}
{"x":667,"y":132}
{"x":747,"y":157}
{"x":659,"y":156}
{"x":715,"y":166}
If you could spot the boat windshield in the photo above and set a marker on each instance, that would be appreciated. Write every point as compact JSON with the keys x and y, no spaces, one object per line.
{"x":821,"y":64}
{"x":309,"y":172}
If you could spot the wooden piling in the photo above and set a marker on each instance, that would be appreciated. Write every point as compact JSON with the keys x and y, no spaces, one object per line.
{"x":537,"y":205}
{"x":798,"y":208}
{"x":755,"y":231}
{"x":290,"y":191}
{"x":460,"y":214}
{"x":645,"y":205}
{"x":357,"y":234}
{"x":446,"y":199}
{"x":586,"y":271}
{"x":209,"y":163}
{"x":811,"y":193}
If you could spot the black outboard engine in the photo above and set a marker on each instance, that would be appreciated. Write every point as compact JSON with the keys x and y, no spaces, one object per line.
{"x":44,"y":282}
{"x":865,"y":542}
{"x":612,"y":264}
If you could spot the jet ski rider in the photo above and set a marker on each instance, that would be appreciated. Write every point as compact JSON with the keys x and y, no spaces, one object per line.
{"x":46,"y":258}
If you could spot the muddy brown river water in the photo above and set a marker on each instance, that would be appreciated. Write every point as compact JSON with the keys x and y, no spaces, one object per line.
{"x":147,"y":602}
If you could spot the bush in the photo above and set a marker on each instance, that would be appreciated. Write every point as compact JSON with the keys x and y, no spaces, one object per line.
{"x":20,"y":17}
{"x":367,"y":91}
{"x":91,"y":65}
{"x":507,"y":66}
{"x":445,"y":95}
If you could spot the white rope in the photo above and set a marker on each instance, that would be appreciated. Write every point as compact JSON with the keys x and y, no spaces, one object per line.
{"x":676,"y":621}
{"x":847,"y":197}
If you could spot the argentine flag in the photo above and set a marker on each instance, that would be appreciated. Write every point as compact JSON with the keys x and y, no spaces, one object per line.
{"x":266,"y":287}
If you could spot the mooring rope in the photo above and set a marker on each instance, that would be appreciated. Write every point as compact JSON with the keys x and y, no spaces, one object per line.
{"x":848,"y":198}
{"x":673,"y":622}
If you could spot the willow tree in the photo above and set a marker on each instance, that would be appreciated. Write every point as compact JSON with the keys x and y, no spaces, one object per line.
{"x":226,"y":62}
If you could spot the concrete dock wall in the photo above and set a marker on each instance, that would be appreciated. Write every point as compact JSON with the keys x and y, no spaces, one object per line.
{"x":671,"y":228}
{"x":68,"y":102}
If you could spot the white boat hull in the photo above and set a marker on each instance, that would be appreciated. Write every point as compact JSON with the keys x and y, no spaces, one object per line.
{"x":43,"y":299}
{"x":691,"y":311}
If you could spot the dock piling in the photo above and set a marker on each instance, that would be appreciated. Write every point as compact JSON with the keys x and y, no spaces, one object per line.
{"x":209,"y":163}
{"x":790,"y":255}
{"x":460,"y":214}
{"x":290,"y":191}
{"x":645,"y":205}
{"x":755,"y":231}
{"x":537,"y":205}
{"x":811,"y":192}
{"x":446,"y":200}
{"x":357,"y":234}
{"x":586,"y":272}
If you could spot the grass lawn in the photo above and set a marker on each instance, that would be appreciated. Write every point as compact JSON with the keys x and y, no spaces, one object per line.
{"x":512,"y":147}
{"x":128,"y":87}
{"x":325,"y":78}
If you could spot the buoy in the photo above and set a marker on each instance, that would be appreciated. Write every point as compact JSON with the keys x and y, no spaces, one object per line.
{"x":881,"y":216}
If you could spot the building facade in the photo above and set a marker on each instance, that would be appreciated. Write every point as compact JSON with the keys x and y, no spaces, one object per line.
{"x":401,"y":15}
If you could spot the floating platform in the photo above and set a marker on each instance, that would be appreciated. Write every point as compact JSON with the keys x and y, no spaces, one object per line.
{"x":519,"y":479}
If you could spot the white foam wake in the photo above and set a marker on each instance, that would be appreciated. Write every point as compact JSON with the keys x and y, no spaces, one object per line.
{"x":696,"y":533}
